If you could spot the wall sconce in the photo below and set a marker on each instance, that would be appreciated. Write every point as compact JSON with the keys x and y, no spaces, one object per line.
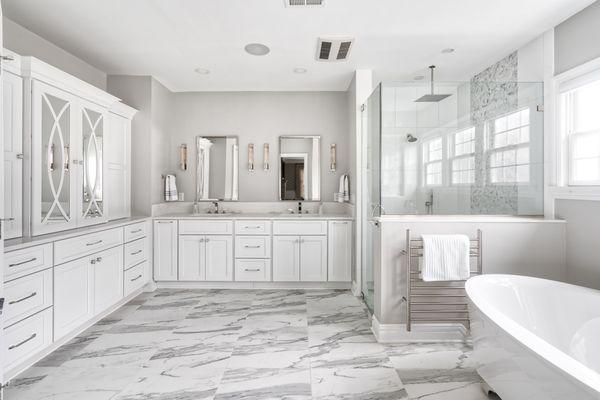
{"x":266,"y":165}
{"x":251,"y":157}
{"x":183,"y":157}
{"x":332,"y":157}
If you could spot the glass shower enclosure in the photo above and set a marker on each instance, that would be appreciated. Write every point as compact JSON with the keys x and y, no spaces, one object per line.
{"x":477,"y":150}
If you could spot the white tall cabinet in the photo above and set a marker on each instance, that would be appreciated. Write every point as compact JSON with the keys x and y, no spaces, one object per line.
{"x":12,"y":118}
{"x":117,"y":152}
{"x":65,"y":123}
{"x":165,"y":250}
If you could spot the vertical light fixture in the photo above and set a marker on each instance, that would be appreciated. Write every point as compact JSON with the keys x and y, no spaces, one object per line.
{"x":251,"y":157}
{"x":332,"y":157}
{"x":183,"y":157}
{"x":266,"y":165}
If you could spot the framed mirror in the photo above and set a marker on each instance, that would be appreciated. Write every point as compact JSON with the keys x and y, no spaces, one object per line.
{"x":217,"y":159}
{"x":300,"y":168}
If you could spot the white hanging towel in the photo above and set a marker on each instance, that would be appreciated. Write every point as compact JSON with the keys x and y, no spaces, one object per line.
{"x":445,"y":258}
{"x":344,"y":189}
{"x":170,"y":188}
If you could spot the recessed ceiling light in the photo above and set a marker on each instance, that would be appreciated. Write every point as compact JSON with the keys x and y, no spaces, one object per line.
{"x":257,"y":49}
{"x":300,"y":70}
{"x":448,"y":50}
{"x":202,"y":71}
{"x":419,"y":78}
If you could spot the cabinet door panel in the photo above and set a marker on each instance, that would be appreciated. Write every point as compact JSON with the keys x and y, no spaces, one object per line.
{"x":12,"y":107}
{"x":219,"y":258}
{"x":73,"y":295}
{"x":54,"y":143}
{"x":165,"y":250}
{"x":286,"y":258}
{"x":108,"y":278}
{"x":340,"y":251}
{"x":313,"y":258}
{"x":117,"y":144}
{"x":192,"y":256}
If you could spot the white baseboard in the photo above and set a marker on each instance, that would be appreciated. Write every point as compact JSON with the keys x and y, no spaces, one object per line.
{"x":425,"y":333}
{"x":356,"y":290}
{"x":252,"y":285}
{"x":10,"y":374}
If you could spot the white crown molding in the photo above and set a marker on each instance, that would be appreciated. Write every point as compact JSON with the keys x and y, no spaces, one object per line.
{"x":14,"y":65}
{"x":37,"y":69}
{"x":123,"y":110}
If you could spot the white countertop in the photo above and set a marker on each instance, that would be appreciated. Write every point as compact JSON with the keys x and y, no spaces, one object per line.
{"x":278,"y":216}
{"x":24,"y":242}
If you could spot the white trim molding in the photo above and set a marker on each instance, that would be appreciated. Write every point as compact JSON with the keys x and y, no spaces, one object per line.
{"x":424,"y":333}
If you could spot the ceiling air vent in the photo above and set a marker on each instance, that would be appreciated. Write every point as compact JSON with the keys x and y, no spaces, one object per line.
{"x":334,"y":49}
{"x":300,"y":3}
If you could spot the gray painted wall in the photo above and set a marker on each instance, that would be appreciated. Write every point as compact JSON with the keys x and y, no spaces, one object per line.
{"x":260,"y":118}
{"x":583,"y":231}
{"x":161,"y":122}
{"x":576,"y":39}
{"x":27,"y":43}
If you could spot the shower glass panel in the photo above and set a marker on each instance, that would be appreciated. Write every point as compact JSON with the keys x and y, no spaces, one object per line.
{"x":371,"y":194}
{"x":477,"y":151}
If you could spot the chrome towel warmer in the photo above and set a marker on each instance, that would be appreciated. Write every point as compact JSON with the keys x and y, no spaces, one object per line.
{"x":436,"y":302}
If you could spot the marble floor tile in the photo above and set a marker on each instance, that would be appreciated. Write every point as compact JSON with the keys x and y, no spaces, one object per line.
{"x":245,"y":345}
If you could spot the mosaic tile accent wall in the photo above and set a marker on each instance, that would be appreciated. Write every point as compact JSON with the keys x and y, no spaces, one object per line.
{"x":494,"y":92}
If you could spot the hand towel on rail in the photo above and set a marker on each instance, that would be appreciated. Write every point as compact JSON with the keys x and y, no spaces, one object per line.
{"x":170,"y":188}
{"x":445,"y":258}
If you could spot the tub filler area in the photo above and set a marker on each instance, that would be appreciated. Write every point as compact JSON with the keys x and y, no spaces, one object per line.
{"x":534,"y":338}
{"x":527,"y":246}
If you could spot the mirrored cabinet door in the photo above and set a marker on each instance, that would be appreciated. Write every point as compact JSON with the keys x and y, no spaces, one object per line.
{"x":52,"y":191}
{"x":90,"y":185}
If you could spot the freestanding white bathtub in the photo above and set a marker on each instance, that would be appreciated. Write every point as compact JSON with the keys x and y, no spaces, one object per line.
{"x":534,"y":338}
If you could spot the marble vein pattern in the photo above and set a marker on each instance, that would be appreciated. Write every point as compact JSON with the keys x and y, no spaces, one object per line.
{"x":245,"y":345}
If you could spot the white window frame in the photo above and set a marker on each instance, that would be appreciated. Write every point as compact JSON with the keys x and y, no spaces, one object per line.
{"x":427,"y":162}
{"x":491,"y":150}
{"x":453,"y":157}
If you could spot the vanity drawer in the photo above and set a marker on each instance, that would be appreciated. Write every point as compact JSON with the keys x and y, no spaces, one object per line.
{"x":27,"y":338}
{"x":135,"y":231}
{"x":135,"y":278}
{"x":253,"y":246}
{"x":251,"y":227}
{"x":136,"y":252}
{"x":27,"y":295}
{"x":205,"y":227}
{"x":253,"y":270}
{"x":300,"y":227}
{"x":70,"y":249}
{"x":27,"y":261}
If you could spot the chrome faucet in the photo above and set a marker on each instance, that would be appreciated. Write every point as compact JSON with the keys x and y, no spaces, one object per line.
{"x":299,"y":207}
{"x":216,"y":204}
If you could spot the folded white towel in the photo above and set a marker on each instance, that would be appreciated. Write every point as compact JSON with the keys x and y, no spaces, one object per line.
{"x":445,"y":258}
{"x":343,"y":193}
{"x":170,"y":188}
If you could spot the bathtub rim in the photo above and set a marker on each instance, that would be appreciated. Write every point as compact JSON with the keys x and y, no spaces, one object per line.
{"x":557,"y":358}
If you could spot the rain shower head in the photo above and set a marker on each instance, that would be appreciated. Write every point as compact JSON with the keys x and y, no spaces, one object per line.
{"x":432,"y":98}
{"x":410,"y":138}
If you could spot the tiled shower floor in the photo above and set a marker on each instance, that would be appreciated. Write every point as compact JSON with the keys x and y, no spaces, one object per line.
{"x":233,"y":344}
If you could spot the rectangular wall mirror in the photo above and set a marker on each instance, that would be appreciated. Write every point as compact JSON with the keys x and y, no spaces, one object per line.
{"x":300,"y":168}
{"x":217,"y":168}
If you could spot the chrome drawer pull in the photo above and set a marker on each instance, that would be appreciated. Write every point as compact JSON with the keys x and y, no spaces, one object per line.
{"x":99,"y":259}
{"x":136,"y":252}
{"x":136,"y":231}
{"x":22,"y":262}
{"x":14,"y":346}
{"x":252,"y":269}
{"x":136,"y":278}
{"x":94,"y":243}
{"x":252,"y":227}
{"x":165,"y":222}
{"x":252,"y":247}
{"x":23,"y":299}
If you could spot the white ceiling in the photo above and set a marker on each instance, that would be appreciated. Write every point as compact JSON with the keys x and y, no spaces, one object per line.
{"x":398,"y":39}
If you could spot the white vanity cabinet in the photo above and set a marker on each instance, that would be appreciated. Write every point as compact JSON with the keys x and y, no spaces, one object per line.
{"x":300,"y":258}
{"x":12,"y":118}
{"x":206,"y":250}
{"x":165,"y":250}
{"x":340,"y":251}
{"x":117,"y":145}
{"x":108,"y":278}
{"x":64,"y":133}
